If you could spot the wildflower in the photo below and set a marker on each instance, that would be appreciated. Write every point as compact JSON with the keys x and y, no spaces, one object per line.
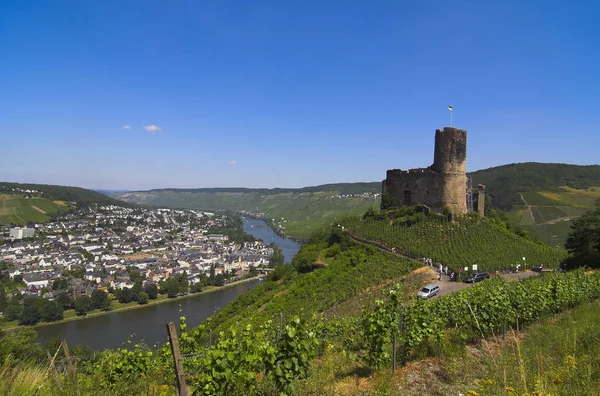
{"x":571,"y":360}
{"x":509,"y":389}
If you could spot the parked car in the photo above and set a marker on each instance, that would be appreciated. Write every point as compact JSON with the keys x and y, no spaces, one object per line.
{"x":428,"y":291}
{"x":538,"y":268}
{"x":477,"y":277}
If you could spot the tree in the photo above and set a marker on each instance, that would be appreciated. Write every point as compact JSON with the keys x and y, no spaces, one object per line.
{"x":52,"y":311}
{"x":125,"y":295}
{"x":142,"y":298}
{"x":100,"y":299}
{"x":277,"y":258}
{"x":211,"y":276}
{"x":31,"y":314}
{"x":136,"y":290}
{"x":3,"y":299}
{"x":65,"y":300}
{"x":172,"y":288}
{"x":135,"y":276}
{"x":583,"y":243}
{"x":83,"y":305}
{"x":13,"y":310}
{"x":219,"y":280}
{"x":253,"y":271}
{"x":151,"y":290}
{"x":60,"y":284}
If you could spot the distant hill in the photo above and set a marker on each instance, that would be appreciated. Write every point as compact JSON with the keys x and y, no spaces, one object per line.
{"x":21,"y":203}
{"x":298,"y":211}
{"x":340,"y":188}
{"x":504,"y":183}
{"x":543,"y":198}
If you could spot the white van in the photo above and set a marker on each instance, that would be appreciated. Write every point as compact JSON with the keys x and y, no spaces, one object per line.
{"x":428,"y":291}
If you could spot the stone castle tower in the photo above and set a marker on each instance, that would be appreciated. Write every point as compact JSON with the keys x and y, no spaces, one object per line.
{"x":442,"y":185}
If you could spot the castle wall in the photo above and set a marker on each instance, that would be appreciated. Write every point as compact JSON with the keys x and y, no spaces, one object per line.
{"x":424,"y":185}
{"x":443,"y":184}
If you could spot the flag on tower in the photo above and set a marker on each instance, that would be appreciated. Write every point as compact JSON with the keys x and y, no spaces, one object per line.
{"x":450,"y":108}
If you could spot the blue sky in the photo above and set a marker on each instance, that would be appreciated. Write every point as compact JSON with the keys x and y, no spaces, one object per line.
{"x":289,"y":93}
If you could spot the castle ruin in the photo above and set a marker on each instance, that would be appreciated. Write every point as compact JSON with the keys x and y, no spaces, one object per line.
{"x":442,"y":185}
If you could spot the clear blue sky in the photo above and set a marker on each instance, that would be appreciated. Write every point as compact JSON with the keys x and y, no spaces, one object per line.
{"x":261,"y":93}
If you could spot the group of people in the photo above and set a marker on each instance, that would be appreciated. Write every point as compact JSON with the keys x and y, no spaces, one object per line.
{"x":441,"y":269}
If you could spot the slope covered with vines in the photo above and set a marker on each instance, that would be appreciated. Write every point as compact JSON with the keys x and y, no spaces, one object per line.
{"x":459,"y":243}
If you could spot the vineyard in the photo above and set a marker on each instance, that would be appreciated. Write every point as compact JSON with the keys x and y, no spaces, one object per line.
{"x":461,"y":243}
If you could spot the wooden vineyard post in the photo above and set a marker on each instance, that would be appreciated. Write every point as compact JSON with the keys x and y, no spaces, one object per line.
{"x":177,"y":359}
{"x":70,"y":364}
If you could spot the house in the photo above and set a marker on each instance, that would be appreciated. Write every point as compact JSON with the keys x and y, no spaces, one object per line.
{"x":95,"y":276}
{"x":36,"y":279}
{"x":14,"y":272}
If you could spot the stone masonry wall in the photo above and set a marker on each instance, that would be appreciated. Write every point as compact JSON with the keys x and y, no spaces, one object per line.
{"x":441,"y":185}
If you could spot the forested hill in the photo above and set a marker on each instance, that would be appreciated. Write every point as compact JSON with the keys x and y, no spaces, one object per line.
{"x":82,"y":196}
{"x":340,"y":188}
{"x":504,"y":183}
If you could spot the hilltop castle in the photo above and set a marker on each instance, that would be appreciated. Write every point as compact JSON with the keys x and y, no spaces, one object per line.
{"x":442,"y":185}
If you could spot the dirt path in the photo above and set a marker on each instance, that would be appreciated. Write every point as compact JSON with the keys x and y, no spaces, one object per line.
{"x":38,"y":209}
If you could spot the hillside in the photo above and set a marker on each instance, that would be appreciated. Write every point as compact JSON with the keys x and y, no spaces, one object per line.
{"x":485,"y":242}
{"x":346,"y":270}
{"x":24,"y":203}
{"x":298,"y":211}
{"x":18,"y":210}
{"x":542,"y":198}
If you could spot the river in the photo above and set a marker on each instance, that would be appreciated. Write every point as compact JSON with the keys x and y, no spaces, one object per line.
{"x":147,"y":324}
{"x":260,"y":229}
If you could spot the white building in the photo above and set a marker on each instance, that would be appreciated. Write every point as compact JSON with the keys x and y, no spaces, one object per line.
{"x":20,"y":233}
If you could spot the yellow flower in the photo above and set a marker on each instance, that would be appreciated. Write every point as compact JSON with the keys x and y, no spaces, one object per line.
{"x":509,"y":389}
{"x":571,"y":360}
{"x":472,"y":393}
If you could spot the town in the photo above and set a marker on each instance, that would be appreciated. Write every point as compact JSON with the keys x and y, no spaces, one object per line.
{"x":132,"y":254}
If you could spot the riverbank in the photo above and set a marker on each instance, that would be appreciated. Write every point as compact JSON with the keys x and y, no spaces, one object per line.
{"x":261,"y":229}
{"x":278,"y":231}
{"x":71,"y":316}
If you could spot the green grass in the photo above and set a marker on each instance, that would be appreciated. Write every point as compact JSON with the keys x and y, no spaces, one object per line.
{"x":558,"y":356}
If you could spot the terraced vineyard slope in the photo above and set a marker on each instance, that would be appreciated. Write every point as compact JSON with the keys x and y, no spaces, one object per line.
{"x":460,"y":243}
{"x":542,"y":198}
{"x":18,"y":210}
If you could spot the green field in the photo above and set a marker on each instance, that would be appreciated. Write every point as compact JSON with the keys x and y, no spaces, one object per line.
{"x":299,"y":213}
{"x":16,"y":209}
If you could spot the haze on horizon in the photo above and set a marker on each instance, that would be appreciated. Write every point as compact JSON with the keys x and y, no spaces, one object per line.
{"x":140,"y":95}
